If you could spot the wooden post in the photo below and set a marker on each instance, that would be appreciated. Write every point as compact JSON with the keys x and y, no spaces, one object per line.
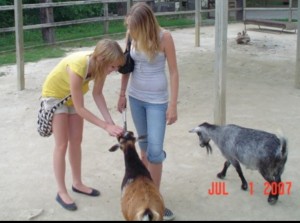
{"x":244,"y":10}
{"x":106,"y":22}
{"x":290,"y":10}
{"x":129,"y":4}
{"x":297,"y":79}
{"x":19,"y":43}
{"x":221,"y":23}
{"x":46,"y":16}
{"x":197,"y":23}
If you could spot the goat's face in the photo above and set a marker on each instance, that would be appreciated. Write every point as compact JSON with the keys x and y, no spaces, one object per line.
{"x":203,"y":138}
{"x":125,"y":139}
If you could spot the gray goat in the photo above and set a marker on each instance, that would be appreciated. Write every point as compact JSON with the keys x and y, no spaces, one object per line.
{"x":256,"y":149}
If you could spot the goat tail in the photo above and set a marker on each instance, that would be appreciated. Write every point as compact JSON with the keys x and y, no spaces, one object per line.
{"x":148,"y":215}
{"x":284,"y":149}
{"x":283,"y":144}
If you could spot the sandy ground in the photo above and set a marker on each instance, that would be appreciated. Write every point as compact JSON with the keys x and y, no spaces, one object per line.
{"x":260,"y":94}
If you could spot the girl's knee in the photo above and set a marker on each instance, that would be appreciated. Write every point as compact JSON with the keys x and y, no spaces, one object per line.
{"x":157,"y":158}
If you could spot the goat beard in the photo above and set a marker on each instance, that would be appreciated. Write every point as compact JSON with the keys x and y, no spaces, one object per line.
{"x":207,"y":146}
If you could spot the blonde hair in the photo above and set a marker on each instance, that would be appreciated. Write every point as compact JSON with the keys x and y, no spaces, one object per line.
{"x":143,"y":29}
{"x":105,"y":53}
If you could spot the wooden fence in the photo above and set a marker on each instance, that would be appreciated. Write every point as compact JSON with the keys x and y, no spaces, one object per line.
{"x":49,"y":6}
{"x":105,"y":18}
{"x":234,"y":7}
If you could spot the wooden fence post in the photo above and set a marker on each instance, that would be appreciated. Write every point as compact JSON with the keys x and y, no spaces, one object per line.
{"x":197,"y":22}
{"x":19,"y":43}
{"x":46,"y":16}
{"x":129,"y":4}
{"x":221,"y":23}
{"x":106,"y":22}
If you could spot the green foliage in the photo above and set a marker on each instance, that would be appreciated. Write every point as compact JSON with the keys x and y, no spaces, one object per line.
{"x":6,"y":17}
{"x":32,"y":16}
{"x":77,"y":12}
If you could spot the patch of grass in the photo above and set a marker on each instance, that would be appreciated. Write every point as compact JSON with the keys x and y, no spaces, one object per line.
{"x":36,"y":54}
{"x":33,"y":54}
{"x":175,"y":21}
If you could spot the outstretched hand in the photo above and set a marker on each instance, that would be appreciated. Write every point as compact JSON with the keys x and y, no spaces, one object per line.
{"x":114,"y":130}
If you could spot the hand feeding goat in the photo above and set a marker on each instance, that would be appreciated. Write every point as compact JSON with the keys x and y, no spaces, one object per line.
{"x":257,"y":150}
{"x":141,"y":199}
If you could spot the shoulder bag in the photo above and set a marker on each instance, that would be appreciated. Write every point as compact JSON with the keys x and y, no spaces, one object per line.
{"x":128,"y":67}
{"x":45,"y":117}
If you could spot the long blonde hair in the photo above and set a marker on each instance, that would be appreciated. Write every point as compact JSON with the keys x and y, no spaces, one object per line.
{"x":105,"y":53}
{"x":144,"y":29}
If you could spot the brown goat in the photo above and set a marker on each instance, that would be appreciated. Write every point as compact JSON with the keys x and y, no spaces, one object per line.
{"x":141,"y":199}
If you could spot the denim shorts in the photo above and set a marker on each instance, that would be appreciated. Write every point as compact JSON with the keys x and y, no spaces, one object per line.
{"x":150,"y":120}
{"x":50,"y":102}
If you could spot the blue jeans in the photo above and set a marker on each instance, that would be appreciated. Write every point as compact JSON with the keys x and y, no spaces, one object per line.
{"x":150,"y":120}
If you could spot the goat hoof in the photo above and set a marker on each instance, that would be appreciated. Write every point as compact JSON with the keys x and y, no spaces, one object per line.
{"x":272,"y":200}
{"x":244,"y":187}
{"x":220,"y":175}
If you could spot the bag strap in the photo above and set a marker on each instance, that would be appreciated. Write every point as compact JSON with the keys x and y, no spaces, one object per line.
{"x":64,"y":100}
{"x":128,"y":45}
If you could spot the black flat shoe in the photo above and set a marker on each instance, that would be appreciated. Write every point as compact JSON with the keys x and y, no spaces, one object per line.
{"x":70,"y":207}
{"x":94,"y":192}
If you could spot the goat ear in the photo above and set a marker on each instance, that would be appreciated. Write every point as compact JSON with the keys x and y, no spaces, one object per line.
{"x":197,"y":129}
{"x":114,"y":148}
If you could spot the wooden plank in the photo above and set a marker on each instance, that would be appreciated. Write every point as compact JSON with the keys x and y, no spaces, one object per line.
{"x":271,"y":23}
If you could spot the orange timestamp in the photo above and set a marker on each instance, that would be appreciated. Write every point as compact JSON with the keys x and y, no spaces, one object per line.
{"x":281,"y":188}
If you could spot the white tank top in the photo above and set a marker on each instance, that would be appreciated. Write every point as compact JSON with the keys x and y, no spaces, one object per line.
{"x":148,"y":81}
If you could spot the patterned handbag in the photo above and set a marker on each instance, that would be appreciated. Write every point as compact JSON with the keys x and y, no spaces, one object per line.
{"x":45,"y":117}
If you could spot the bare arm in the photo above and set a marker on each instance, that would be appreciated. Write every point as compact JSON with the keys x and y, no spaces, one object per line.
{"x":101,"y":103}
{"x":78,"y":101}
{"x":169,"y":49}
{"x":122,"y":102}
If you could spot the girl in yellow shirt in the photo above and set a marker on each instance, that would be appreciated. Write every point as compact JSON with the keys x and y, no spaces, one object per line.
{"x":72,"y":76}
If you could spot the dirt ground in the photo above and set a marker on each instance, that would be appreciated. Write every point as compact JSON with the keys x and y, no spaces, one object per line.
{"x":260,"y":94}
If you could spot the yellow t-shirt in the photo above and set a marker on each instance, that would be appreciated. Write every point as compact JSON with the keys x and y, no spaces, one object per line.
{"x":57,"y":83}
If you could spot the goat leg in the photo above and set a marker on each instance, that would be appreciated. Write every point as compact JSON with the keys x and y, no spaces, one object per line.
{"x":275,"y":185}
{"x":222,"y":174}
{"x":238,"y":168}
{"x":275,"y":190}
